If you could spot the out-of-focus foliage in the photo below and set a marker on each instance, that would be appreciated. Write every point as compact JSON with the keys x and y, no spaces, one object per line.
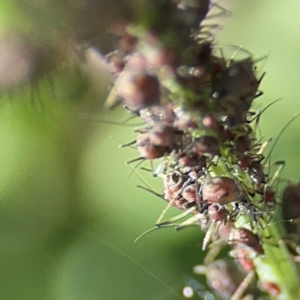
{"x":68,"y":214}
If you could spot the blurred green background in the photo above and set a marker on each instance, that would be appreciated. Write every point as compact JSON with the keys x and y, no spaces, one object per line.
{"x":68,"y":213}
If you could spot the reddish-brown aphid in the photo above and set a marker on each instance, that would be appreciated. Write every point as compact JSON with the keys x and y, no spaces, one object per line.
{"x":192,"y":161}
{"x":223,"y":277}
{"x":138,"y":89}
{"x":272,"y":288}
{"x":237,"y":81}
{"x":189,"y":193}
{"x":206,"y":145}
{"x":291,"y":208}
{"x":256,"y":172}
{"x":217,"y":216}
{"x":243,"y":255}
{"x":269,"y":198}
{"x":220,"y":190}
{"x":157,"y":114}
{"x":128,"y":43}
{"x":147,"y":149}
{"x":244,"y":237}
{"x":158,"y":140}
{"x":242,"y":144}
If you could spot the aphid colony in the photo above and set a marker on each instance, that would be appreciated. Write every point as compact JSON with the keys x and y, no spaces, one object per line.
{"x":198,"y":127}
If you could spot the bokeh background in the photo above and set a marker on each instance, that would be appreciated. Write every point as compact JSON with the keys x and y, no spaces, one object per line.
{"x":68,"y":211}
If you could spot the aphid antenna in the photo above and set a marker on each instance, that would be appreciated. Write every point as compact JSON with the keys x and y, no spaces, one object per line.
{"x":243,"y":286}
{"x":280,"y":134}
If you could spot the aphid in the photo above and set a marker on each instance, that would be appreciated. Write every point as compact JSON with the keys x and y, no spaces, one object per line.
{"x":272,"y":288}
{"x":242,"y":144}
{"x":147,"y":149}
{"x":245,"y":257}
{"x":291,"y":209}
{"x":234,"y":90}
{"x":206,"y":145}
{"x":190,"y":13}
{"x":184,"y":120}
{"x":158,"y":140}
{"x":217,"y":215}
{"x":225,"y":279}
{"x":192,"y":161}
{"x":190,"y":193}
{"x":238,"y":82}
{"x":138,"y":89}
{"x":157,"y":114}
{"x":244,"y":237}
{"x":220,"y":190}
